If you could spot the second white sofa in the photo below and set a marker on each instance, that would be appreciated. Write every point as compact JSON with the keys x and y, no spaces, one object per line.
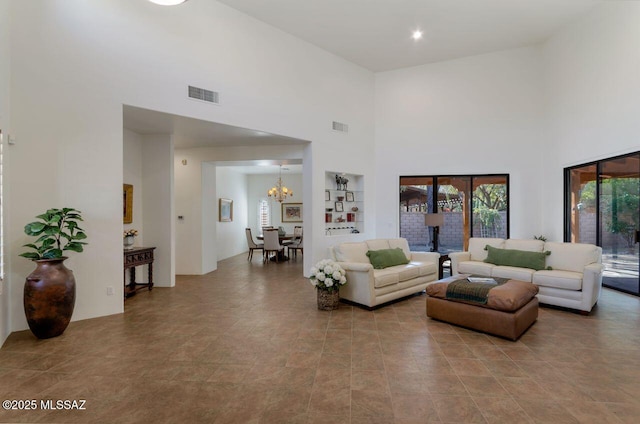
{"x":371,"y":287}
{"x":571,"y":276}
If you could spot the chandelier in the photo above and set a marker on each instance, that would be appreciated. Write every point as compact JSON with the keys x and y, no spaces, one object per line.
{"x":279,"y":191}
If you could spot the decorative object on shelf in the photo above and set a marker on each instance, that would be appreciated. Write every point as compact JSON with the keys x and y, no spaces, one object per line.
{"x":355,"y":209}
{"x":339,"y":207}
{"x":435,"y":220}
{"x":127,"y":203}
{"x":128,"y":237}
{"x":340,"y":198}
{"x":328,"y":209}
{"x":349,"y":195}
{"x":50,"y":290}
{"x":341,"y":182}
{"x":327,"y":277}
{"x":225,"y":210}
{"x":291,"y":212}
{"x":340,"y":219}
{"x":327,"y":195}
{"x":279,"y":191}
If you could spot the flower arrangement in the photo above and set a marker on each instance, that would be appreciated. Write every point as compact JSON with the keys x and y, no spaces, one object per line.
{"x":129,"y":233}
{"x":327,"y":275}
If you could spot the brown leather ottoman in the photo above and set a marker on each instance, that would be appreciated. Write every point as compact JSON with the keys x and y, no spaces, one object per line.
{"x":510,"y":310}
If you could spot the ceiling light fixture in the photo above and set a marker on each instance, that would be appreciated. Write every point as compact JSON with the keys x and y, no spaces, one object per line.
{"x":167,"y":2}
{"x":417,"y":35}
{"x":279,"y":191}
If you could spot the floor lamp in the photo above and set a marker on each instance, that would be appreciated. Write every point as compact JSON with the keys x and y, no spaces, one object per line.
{"x":434,"y":220}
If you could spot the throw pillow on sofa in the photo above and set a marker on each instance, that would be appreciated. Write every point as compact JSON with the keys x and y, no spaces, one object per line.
{"x":385,"y":258}
{"x":517,"y":258}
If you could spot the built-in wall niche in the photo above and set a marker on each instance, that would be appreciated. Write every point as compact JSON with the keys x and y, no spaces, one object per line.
{"x":344,"y":203}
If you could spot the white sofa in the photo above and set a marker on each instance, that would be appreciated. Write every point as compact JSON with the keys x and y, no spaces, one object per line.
{"x":371,"y":287}
{"x":573,"y":281}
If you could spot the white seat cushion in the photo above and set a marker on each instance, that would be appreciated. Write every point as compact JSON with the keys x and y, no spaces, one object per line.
{"x":424,"y":268}
{"x":475,"y":267}
{"x":351,"y":252}
{"x":568,"y":280}
{"x":529,"y":245}
{"x":515,"y":273}
{"x":571,"y":256}
{"x":385,"y":277}
{"x":477,"y":245}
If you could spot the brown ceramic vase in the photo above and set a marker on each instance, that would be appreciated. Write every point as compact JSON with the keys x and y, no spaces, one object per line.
{"x":49,"y":298}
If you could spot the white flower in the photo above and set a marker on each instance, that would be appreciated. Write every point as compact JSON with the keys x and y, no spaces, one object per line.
{"x":314,"y":282}
{"x":336,"y":275}
{"x":314,"y":271}
{"x":343,"y":280}
{"x":320,"y":276}
{"x":328,"y":282}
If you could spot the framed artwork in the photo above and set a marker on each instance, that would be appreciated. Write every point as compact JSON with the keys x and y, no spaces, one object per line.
{"x":339,"y":207}
{"x":225,"y":210}
{"x":327,"y":195}
{"x":349,"y":195}
{"x":291,"y":212}
{"x":127,"y":203}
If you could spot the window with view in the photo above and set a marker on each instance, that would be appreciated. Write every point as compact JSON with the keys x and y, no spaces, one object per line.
{"x":467,"y":206}
{"x":264,"y":214}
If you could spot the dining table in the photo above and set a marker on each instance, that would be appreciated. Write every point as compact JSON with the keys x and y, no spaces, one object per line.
{"x":281,"y":238}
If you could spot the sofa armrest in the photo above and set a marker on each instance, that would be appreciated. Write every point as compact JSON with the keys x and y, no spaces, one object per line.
{"x":432,"y":257}
{"x":592,"y":283}
{"x":360,"y":286}
{"x":456,"y":258}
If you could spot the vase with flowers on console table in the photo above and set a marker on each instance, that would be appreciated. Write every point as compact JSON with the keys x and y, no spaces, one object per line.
{"x":327,"y":277}
{"x":128,"y":238}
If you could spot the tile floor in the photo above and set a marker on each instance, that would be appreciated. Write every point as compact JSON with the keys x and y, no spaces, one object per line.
{"x":245,"y":344}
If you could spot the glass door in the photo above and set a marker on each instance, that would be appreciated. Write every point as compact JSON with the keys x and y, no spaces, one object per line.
{"x":619,"y":188}
{"x":602,"y":207}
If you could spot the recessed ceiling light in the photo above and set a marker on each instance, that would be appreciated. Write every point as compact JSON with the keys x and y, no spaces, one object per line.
{"x":167,"y":2}
{"x":417,"y":35}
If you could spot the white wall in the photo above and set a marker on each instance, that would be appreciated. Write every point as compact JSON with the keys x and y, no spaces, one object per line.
{"x":75,"y":63}
{"x":159,"y":212}
{"x":230,"y":236}
{"x":593,"y":97}
{"x":5,"y":323}
{"x":476,"y":115}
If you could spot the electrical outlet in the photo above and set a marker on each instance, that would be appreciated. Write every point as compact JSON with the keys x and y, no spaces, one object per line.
{"x":110,"y":291}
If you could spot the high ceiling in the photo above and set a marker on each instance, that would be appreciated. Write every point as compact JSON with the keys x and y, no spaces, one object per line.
{"x":376,"y":34}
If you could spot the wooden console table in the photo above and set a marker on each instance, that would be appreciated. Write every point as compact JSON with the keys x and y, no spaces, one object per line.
{"x":133,"y":258}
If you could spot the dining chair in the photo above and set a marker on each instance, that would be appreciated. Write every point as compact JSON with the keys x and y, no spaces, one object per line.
{"x":272,"y":244}
{"x":296,"y":243}
{"x":252,"y":244}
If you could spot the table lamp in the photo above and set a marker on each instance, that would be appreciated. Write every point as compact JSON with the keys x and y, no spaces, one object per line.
{"x":434,"y":220}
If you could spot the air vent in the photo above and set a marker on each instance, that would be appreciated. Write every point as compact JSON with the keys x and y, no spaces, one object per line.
{"x":204,"y":95}
{"x":339,"y":126}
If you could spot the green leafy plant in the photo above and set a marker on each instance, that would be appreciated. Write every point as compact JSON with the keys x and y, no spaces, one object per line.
{"x":541,"y":237}
{"x":57,"y":231}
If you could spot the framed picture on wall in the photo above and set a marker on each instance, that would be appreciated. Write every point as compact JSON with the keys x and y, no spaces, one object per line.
{"x":225,"y":210}
{"x":291,"y":212}
{"x":339,"y":207}
{"x":127,"y":203}
{"x":327,"y":195}
{"x":349,"y":196}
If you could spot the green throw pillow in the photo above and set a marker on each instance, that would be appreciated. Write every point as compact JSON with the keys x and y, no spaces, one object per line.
{"x":387,"y":257}
{"x":519,"y":258}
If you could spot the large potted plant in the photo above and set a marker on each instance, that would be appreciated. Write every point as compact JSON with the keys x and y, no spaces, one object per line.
{"x":50,"y":290}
